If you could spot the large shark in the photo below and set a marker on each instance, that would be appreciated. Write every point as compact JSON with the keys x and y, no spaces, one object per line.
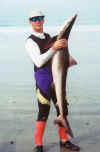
{"x":60,"y":64}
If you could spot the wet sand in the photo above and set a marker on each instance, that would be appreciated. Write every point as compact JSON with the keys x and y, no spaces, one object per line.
{"x":17,"y":125}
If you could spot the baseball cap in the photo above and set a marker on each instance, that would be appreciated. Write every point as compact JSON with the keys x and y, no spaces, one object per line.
{"x":35,"y":13}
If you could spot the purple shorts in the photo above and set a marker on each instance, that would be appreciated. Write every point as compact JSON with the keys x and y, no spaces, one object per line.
{"x":44,"y":79}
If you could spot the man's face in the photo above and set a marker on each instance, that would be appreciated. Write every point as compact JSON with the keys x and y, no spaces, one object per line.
{"x":37,"y":24}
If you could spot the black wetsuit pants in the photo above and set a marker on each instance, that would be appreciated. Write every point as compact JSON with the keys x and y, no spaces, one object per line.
{"x":44,"y":104}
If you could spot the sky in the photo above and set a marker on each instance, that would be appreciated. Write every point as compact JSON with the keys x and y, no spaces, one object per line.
{"x":15,"y":12}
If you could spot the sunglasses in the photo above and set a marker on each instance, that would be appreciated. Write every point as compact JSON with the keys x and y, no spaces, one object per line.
{"x":37,"y":18}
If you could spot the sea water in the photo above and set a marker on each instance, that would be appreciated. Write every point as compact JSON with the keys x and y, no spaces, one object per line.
{"x":17,"y":84}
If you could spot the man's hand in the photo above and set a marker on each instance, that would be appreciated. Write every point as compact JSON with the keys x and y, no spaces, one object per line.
{"x":59,"y":44}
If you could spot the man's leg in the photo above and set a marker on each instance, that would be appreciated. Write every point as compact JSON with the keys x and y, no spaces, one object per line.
{"x":44,"y":108}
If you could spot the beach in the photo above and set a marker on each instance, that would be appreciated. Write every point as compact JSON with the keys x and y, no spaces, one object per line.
{"x":18,"y":103}
{"x":18,"y":122}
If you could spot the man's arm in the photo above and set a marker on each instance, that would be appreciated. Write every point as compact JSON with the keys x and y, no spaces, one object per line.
{"x":34,"y":53}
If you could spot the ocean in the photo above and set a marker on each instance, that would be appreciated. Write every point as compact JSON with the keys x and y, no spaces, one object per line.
{"x":17,"y":84}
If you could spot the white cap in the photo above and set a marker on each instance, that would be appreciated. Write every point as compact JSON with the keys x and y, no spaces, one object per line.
{"x":35,"y":13}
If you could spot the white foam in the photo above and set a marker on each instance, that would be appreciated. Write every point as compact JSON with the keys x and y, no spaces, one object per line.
{"x":15,"y":29}
{"x":86,"y":28}
{"x":51,"y":29}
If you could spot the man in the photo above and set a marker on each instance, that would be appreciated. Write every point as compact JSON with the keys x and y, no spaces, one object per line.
{"x":41,"y":58}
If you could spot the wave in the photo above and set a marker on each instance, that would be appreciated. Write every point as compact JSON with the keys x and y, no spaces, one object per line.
{"x":51,"y":29}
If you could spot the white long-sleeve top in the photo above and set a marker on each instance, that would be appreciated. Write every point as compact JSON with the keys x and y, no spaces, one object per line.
{"x":33,"y":51}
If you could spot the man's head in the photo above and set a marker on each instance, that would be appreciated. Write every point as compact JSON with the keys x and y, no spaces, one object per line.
{"x":36,"y":19}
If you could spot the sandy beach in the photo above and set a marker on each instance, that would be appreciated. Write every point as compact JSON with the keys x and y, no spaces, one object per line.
{"x":17,"y":121}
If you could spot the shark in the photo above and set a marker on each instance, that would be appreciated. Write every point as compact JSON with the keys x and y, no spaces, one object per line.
{"x":60,"y":64}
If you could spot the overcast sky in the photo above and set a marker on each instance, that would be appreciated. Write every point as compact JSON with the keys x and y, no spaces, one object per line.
{"x":55,"y":10}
